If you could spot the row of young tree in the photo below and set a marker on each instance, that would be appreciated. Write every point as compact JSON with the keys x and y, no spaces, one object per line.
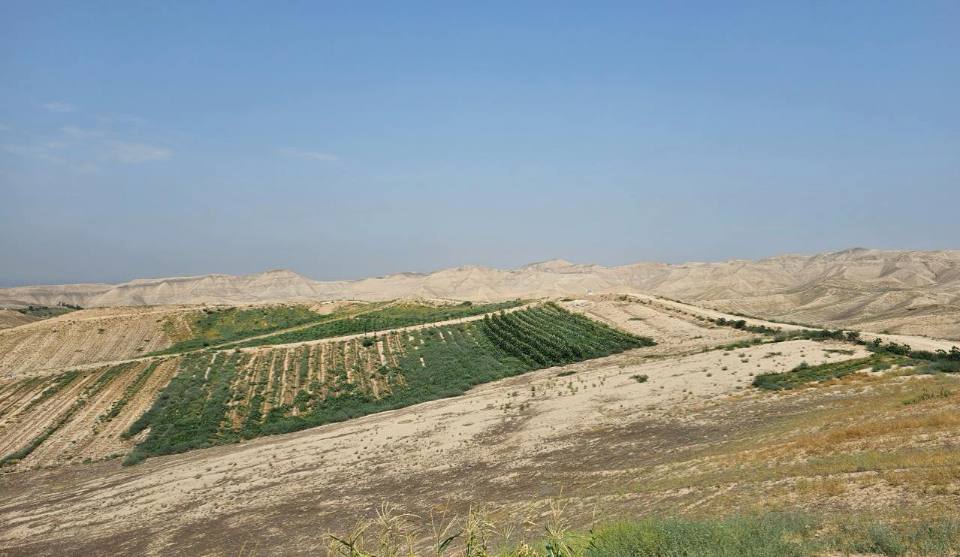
{"x":192,"y":411}
{"x":549,"y":335}
{"x":188,"y":413}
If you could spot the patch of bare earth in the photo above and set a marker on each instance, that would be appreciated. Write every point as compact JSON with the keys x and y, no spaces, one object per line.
{"x":12,"y":318}
{"x":82,"y":338}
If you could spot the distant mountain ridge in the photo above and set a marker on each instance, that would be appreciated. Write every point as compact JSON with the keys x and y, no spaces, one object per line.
{"x":905,"y":291}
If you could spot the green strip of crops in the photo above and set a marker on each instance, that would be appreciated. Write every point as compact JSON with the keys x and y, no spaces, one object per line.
{"x":391,"y":317}
{"x":435,"y":363}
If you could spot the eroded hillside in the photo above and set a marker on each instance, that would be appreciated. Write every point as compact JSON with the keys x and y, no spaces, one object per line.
{"x":677,"y":427}
{"x":86,"y":337}
{"x":906,"y":292}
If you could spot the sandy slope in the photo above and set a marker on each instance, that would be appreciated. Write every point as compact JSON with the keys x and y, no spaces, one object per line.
{"x":510,"y":443}
{"x":499,"y":429}
{"x":909,"y":292}
{"x":84,"y":337}
{"x":10,"y":318}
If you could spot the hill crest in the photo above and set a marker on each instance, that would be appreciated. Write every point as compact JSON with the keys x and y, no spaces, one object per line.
{"x":867,"y":287}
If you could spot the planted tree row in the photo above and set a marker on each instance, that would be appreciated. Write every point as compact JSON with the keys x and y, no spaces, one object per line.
{"x":390,"y":317}
{"x":239,"y":395}
{"x":95,"y":386}
{"x":550,"y":335}
{"x":188,"y":412}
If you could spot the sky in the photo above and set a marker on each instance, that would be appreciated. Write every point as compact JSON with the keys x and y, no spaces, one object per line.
{"x":353,"y":139}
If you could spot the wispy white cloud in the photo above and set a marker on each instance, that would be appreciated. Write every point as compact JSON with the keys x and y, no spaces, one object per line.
{"x":58,"y":106}
{"x":104,"y":142}
{"x":74,"y":132}
{"x":135,"y":153}
{"x":310,"y":155}
{"x":116,"y":118}
{"x":87,"y":168}
{"x":41,"y":151}
{"x":19,"y":150}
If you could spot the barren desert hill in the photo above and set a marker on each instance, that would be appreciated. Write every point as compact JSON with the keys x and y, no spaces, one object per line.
{"x":911,"y":292}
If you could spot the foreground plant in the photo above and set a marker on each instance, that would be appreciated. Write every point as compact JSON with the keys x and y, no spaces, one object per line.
{"x":393,"y":534}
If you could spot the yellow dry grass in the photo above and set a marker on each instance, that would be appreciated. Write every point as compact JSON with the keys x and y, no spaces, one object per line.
{"x":858,"y":443}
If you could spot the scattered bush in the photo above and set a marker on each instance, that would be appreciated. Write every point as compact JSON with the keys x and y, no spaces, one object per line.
{"x":805,"y":373}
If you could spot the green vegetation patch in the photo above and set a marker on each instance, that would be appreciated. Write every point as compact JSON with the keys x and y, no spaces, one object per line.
{"x":389,"y":317}
{"x":188,"y":412}
{"x":46,"y":312}
{"x":763,"y":535}
{"x":549,"y":335}
{"x":804,"y":374}
{"x":771,"y":534}
{"x":215,"y":326}
{"x":207,"y":403}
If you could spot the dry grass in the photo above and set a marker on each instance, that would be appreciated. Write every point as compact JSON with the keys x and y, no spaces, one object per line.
{"x":859,"y":443}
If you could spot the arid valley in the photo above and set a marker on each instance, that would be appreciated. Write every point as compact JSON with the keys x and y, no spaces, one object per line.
{"x":663,"y":410}
{"x":479,"y":279}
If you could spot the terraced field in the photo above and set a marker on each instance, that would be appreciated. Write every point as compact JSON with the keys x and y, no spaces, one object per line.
{"x":378,"y":317}
{"x":87,"y":337}
{"x":77,"y":415}
{"x":174,"y":403}
{"x":12,"y":318}
{"x":223,"y":397}
{"x":837,"y":422}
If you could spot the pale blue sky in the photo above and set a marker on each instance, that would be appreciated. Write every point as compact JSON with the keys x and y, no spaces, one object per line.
{"x":347,"y":139}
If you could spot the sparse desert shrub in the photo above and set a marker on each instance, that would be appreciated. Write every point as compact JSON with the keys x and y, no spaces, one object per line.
{"x":928,"y":395}
{"x":805,"y":373}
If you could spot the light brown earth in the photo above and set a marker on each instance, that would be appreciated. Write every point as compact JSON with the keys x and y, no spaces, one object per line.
{"x":678,"y":328}
{"x":90,"y":338}
{"x":11,"y":318}
{"x":85,"y":337}
{"x":693,"y":438}
{"x":87,"y":434}
{"x":905,"y":292}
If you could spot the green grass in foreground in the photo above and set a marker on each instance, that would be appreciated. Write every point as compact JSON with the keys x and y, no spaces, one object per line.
{"x":764,"y":535}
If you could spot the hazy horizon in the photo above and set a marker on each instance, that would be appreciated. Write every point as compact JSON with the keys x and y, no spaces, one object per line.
{"x":344,"y":141}
{"x":433,"y":270}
